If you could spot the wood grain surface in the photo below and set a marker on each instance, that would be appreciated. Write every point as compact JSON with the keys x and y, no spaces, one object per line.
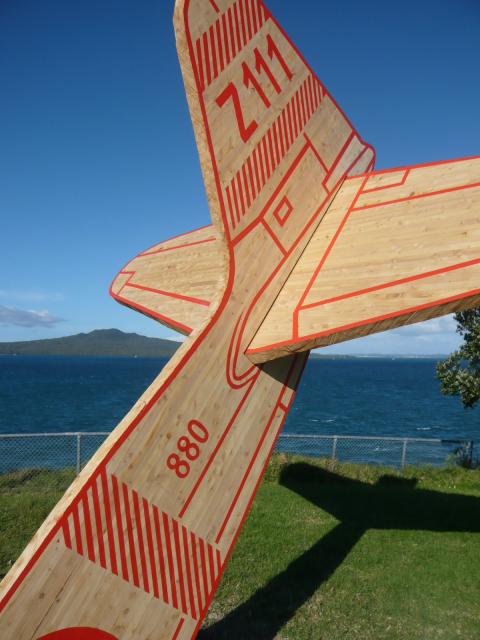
{"x":395,"y":247}
{"x":137,"y":546}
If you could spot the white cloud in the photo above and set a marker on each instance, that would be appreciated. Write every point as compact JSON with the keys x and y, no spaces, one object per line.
{"x":27,"y":318}
{"x":445,"y":324}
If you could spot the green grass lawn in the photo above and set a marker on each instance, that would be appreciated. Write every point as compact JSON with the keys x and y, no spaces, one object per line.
{"x":343,"y":552}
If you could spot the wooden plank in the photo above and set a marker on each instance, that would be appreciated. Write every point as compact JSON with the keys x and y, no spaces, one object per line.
{"x":167,"y":493}
{"x":396,"y":247}
{"x":176,"y":281}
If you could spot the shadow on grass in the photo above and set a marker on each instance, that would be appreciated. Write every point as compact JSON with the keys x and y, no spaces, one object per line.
{"x":391,"y":503}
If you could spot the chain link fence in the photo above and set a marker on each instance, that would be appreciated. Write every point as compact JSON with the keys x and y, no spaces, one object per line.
{"x":387,"y":451}
{"x":23,"y":452}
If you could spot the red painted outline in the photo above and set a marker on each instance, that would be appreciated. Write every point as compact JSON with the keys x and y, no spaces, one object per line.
{"x":393,"y":283}
{"x":418,"y":196}
{"x":263,"y":15}
{"x":161,"y":292}
{"x":276,"y":214}
{"x":388,"y":186}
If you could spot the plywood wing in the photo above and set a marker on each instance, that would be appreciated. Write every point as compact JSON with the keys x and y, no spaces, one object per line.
{"x":394,"y":248}
{"x":174,"y":282}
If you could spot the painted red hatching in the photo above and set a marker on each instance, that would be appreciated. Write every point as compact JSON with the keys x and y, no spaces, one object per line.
{"x":216,"y":564}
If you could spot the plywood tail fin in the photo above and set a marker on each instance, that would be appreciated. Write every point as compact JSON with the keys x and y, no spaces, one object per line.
{"x":395,"y":247}
{"x":174,"y":282}
{"x":255,"y":103}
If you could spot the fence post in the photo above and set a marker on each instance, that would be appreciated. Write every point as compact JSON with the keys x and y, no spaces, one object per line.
{"x":79,"y":452}
{"x":470,"y":453}
{"x":334,"y":448}
{"x":404,"y":453}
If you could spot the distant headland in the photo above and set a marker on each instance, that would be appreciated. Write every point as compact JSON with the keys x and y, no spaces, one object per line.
{"x":101,"y":342}
{"x":113,"y":342}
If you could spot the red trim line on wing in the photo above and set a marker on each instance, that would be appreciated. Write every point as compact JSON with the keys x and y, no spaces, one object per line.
{"x":168,"y":294}
{"x":439,"y":192}
{"x":393,"y":283}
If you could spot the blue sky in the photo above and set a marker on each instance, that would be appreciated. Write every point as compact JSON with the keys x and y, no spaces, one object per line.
{"x":97,"y":155}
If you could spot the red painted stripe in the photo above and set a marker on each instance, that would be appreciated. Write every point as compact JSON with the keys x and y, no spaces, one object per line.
{"x":237,"y":26}
{"x":230,"y":207}
{"x":256,"y":452}
{"x":274,"y":237}
{"x":207,"y":58}
{"x":388,"y":186}
{"x":245,"y":476}
{"x":253,"y":10}
{"x":242,"y":21}
{"x":261,"y":15}
{"x":108,"y":519}
{"x":262,"y":168}
{"x":240,"y":193}
{"x":201,"y":77}
{"x":310,"y":95}
{"x":178,"y":629}
{"x":270,"y":148}
{"x":66,"y":532}
{"x":304,"y":104}
{"x":372,"y":320}
{"x":298,"y":113}
{"x":121,"y":539}
{"x":393,"y":283}
{"x":249,"y":20}
{"x":151,"y":550}
{"x":325,"y":256}
{"x":181,"y":582}
{"x":439,"y":192}
{"x":213,"y":49}
{"x":251,"y":178}
{"x":219,"y":562}
{"x":280,"y":135}
{"x":342,"y":152}
{"x":141,"y":543}
{"x":225,"y":38}
{"x":88,"y":526}
{"x":294,"y":118}
{"x":219,"y":45}
{"x":149,"y":252}
{"x":131,"y":542}
{"x":244,"y":180}
{"x":232,"y":36}
{"x":169,"y":294}
{"x":171,"y":565}
{"x":256,"y":170}
{"x":211,"y":565}
{"x":285,"y":129}
{"x":154,"y":314}
{"x":324,"y":166}
{"x":319,"y":92}
{"x":196,"y":562}
{"x":204,"y":569}
{"x":186,"y":552}
{"x":77,"y":529}
{"x":235,"y":200}
{"x":277,"y":147}
{"x":290,"y":125}
{"x":266,"y":158}
{"x":161,"y":559}
{"x":99,"y":525}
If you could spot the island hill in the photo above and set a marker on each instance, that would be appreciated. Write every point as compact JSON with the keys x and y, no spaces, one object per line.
{"x":113,"y":342}
{"x":102,"y":342}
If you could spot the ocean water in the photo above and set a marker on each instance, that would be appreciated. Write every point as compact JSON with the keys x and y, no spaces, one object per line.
{"x":355,"y":396}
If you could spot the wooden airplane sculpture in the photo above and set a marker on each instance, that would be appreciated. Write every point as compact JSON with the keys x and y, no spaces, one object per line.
{"x":308,"y":247}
